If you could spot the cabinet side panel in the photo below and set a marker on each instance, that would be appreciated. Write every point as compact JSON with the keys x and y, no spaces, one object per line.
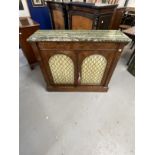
{"x":39,"y":59}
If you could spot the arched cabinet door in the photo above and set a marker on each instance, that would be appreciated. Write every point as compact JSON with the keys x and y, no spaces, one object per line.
{"x":94,"y":67}
{"x":61,"y":67}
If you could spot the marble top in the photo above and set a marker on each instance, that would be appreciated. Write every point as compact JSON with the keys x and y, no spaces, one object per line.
{"x":79,"y":35}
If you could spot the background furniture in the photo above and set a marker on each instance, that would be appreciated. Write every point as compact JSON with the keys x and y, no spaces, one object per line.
{"x":123,"y":18}
{"x":131,"y":33}
{"x":90,"y":16}
{"x":27,"y":27}
{"x":78,"y":60}
{"x":131,"y":62}
{"x":128,"y":19}
{"x":58,"y":12}
{"x":117,"y":18}
{"x":112,"y":1}
{"x":79,"y":15}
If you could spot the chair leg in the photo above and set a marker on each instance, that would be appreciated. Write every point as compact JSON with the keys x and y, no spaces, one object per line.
{"x":133,"y":44}
{"x":133,"y":53}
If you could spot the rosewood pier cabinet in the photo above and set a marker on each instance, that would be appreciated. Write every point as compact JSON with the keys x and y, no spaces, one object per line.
{"x":26,"y":28}
{"x":79,"y":15}
{"x":78,"y":60}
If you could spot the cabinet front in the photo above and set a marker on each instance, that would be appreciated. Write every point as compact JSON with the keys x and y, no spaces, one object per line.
{"x":77,"y":67}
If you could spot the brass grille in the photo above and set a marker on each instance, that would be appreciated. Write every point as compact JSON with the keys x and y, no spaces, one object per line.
{"x":62,"y":69}
{"x":93,"y":68}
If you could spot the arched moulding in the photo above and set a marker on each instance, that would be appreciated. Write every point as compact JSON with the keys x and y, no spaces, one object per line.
{"x":62,"y":69}
{"x":93,"y":68}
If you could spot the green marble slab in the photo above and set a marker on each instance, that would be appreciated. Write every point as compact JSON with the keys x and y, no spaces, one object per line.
{"x":79,"y":36}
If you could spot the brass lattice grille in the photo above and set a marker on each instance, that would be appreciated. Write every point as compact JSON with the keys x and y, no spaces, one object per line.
{"x":62,"y":69}
{"x":93,"y":68}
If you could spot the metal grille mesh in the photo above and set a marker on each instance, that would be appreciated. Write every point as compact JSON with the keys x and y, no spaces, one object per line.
{"x":93,"y":68}
{"x":62,"y":69}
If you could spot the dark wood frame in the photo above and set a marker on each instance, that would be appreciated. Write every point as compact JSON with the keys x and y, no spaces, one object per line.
{"x":25,"y":30}
{"x":38,"y":5}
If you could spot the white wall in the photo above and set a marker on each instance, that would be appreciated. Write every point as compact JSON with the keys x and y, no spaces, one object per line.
{"x":131,"y":3}
{"x":121,"y":2}
{"x":25,"y":12}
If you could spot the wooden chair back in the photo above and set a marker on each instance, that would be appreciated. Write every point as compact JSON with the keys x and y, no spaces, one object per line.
{"x":113,"y":1}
